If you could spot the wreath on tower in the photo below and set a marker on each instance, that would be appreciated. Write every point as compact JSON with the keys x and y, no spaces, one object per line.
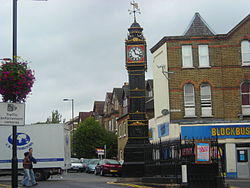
{"x":16,"y":81}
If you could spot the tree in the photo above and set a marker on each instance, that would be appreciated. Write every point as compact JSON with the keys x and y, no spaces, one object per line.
{"x":91,"y":135}
{"x":56,"y":117}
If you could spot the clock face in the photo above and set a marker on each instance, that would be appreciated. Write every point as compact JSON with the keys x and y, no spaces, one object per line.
{"x":136,"y":53}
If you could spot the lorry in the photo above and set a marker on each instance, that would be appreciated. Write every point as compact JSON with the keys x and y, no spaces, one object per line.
{"x":51,"y":148}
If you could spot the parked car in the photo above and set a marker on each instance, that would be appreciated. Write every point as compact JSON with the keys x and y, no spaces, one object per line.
{"x":84,"y":163}
{"x":108,"y":166}
{"x":76,"y":165}
{"x":91,"y":165}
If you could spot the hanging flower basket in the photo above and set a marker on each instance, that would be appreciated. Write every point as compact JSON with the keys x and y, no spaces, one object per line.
{"x":16,"y":81}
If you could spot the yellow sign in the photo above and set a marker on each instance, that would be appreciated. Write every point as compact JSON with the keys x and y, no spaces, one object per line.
{"x":231,"y":131}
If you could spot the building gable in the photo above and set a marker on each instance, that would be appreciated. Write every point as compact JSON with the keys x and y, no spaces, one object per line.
{"x":198,"y":27}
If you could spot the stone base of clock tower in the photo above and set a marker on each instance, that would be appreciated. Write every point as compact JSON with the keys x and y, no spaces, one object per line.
{"x":133,"y":165}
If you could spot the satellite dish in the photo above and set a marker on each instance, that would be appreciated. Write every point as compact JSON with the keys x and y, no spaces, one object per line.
{"x":164,"y":112}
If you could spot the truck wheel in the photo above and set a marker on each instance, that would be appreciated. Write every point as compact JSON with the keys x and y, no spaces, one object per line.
{"x":42,"y":175}
{"x":39,"y":175}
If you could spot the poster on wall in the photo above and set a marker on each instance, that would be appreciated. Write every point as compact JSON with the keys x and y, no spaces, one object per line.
{"x":202,"y":152}
{"x":163,"y":130}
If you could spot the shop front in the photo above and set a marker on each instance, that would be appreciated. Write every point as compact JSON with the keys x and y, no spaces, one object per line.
{"x":234,"y":140}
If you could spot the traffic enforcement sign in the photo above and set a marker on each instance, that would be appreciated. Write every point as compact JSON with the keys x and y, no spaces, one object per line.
{"x":12,"y":114}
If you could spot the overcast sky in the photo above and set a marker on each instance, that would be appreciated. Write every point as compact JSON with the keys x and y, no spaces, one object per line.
{"x":76,"y":47}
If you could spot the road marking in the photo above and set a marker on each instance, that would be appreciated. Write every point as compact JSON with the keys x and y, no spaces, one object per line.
{"x":129,"y":185}
{"x":5,"y":186}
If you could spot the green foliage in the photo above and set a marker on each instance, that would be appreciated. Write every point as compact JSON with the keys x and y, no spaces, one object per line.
{"x":89,"y":136}
{"x":56,"y":117}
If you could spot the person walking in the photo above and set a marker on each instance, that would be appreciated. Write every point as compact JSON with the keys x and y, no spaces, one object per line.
{"x":26,"y":167}
{"x":32,"y":160}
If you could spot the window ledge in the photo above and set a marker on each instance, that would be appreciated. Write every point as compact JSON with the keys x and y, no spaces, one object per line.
{"x":207,"y":116}
{"x":190,"y":116}
{"x":207,"y":67}
{"x":188,"y":67}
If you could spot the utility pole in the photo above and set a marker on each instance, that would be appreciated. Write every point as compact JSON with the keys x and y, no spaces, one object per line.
{"x":14,"y":128}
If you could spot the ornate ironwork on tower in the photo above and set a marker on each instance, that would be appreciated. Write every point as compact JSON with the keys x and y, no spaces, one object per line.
{"x":136,"y":64}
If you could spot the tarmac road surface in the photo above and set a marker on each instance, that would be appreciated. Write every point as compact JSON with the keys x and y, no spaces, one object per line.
{"x":73,"y":180}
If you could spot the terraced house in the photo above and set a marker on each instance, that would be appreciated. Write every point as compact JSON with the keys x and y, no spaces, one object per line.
{"x":202,"y":89}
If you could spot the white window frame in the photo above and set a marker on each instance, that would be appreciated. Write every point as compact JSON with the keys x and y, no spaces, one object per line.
{"x":124,"y":129}
{"x":245,"y":108}
{"x":125,"y":105}
{"x":110,"y":125}
{"x":203,"y":51}
{"x":189,"y":106}
{"x":187,"y":53}
{"x":206,"y":101}
{"x":150,"y":93}
{"x":245,"y":52}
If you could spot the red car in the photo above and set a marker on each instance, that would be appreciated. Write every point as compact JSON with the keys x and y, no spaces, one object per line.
{"x":108,"y":166}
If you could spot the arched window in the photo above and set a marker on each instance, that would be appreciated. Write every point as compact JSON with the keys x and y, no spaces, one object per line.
{"x":245,"y":52}
{"x":189,"y":100}
{"x":245,"y":98}
{"x":206,"y":100}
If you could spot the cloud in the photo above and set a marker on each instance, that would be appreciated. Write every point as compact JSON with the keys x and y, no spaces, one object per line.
{"x":77,"y":47}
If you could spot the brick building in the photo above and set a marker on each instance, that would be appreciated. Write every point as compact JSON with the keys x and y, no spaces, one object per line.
{"x":202,"y":89}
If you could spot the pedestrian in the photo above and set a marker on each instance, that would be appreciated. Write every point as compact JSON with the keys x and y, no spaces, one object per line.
{"x":32,"y":160}
{"x":26,"y":167}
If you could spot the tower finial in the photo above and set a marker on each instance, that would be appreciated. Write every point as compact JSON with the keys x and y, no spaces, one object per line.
{"x":135,"y":9}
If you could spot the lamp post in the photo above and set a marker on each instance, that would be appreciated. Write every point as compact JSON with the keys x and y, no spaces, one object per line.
{"x":14,"y":164}
{"x":14,"y":128}
{"x":72,"y":119}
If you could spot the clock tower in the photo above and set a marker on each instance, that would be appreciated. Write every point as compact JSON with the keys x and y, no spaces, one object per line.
{"x":136,"y":64}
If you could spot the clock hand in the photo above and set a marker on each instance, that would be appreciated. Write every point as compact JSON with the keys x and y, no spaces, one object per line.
{"x":134,"y":51}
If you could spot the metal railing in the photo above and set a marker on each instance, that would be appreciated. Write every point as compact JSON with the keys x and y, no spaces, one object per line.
{"x":164,"y":159}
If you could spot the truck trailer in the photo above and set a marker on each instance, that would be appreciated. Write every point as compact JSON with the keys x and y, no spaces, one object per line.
{"x":51,"y":148}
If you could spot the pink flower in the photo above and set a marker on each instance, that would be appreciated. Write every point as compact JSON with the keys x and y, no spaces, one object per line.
{"x":16,"y":81}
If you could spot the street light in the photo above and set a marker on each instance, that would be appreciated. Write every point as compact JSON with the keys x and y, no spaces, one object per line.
{"x":72,"y":120}
{"x":72,"y":101}
{"x":14,"y":163}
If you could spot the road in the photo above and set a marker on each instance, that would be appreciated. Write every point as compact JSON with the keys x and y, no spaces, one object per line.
{"x":239,"y":183}
{"x":73,"y":180}
{"x":83,"y":180}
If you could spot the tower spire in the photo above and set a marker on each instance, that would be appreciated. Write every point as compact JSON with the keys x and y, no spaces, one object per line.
{"x":135,"y":9}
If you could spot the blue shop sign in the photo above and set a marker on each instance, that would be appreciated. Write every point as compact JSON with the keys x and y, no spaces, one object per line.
{"x":211,"y":131}
{"x":163,"y":129}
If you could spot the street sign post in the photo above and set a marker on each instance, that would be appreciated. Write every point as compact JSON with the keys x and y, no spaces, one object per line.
{"x":100,"y":152}
{"x":12,"y":114}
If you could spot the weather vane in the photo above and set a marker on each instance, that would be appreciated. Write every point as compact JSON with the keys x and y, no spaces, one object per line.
{"x":135,"y":9}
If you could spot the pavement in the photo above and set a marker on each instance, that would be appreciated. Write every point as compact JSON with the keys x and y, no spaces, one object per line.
{"x":5,"y":182}
{"x":230,"y":183}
